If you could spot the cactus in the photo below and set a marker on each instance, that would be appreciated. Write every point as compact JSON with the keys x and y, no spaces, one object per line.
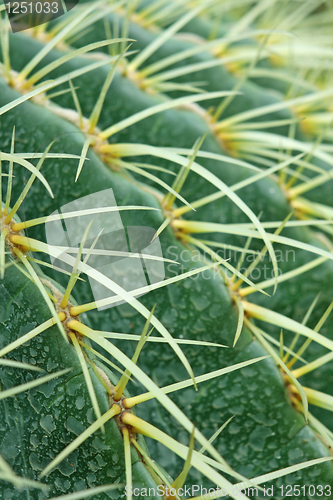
{"x":165,"y":254}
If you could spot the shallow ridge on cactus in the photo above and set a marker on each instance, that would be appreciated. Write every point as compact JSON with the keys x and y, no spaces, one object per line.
{"x":198,"y":135}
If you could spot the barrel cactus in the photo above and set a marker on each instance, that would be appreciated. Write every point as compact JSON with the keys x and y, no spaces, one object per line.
{"x":165,"y":251}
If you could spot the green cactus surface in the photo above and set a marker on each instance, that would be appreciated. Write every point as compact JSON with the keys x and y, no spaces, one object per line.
{"x":166,"y":257}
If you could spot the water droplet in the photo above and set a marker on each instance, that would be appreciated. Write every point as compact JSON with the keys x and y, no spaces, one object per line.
{"x":47,"y":423}
{"x":79,"y":402}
